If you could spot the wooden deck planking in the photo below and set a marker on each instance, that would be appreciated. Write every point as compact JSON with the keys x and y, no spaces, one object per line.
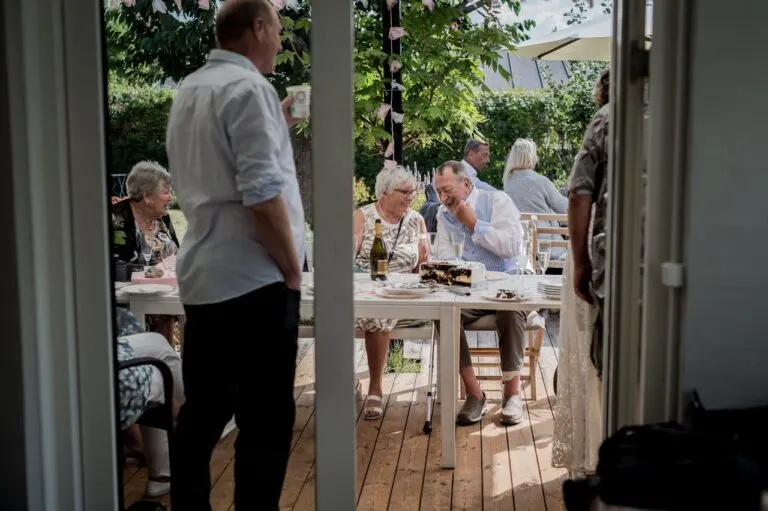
{"x":498,"y":467}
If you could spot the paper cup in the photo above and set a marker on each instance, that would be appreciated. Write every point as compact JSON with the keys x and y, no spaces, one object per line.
{"x":301,"y":95}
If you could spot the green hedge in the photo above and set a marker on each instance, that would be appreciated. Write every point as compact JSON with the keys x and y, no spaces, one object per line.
{"x":555,"y":118}
{"x":137,"y":120}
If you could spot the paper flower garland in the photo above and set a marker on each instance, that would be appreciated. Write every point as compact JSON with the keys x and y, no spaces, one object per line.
{"x":395,"y":65}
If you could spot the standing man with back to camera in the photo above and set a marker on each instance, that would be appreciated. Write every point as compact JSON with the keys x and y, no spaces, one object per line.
{"x":239,"y":269}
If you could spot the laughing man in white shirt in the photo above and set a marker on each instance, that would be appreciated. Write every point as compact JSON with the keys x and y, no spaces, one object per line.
{"x":492,"y":234}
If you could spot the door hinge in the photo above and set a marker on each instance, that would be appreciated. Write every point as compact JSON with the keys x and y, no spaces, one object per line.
{"x":673,"y":274}
{"x":640,"y":60}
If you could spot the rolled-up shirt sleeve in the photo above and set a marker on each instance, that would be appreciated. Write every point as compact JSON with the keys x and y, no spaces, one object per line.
{"x":252,"y":116}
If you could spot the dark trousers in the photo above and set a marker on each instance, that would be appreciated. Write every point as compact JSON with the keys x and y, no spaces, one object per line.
{"x":239,"y":357}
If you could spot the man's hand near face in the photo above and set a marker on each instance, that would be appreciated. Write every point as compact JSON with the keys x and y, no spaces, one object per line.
{"x":464,"y":214}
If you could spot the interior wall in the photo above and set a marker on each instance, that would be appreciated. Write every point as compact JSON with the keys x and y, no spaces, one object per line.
{"x":725,"y":344}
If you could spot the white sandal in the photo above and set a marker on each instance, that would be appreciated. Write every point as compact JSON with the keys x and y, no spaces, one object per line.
{"x":373,"y":413}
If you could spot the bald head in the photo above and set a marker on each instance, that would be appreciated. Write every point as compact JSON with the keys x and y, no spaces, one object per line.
{"x":236,"y":19}
{"x":252,"y":29}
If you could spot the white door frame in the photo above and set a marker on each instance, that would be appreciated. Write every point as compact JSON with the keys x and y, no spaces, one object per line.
{"x":53,"y":52}
{"x":661,"y":360}
{"x":624,"y":224}
{"x":56,"y":97}
{"x":333,"y":165}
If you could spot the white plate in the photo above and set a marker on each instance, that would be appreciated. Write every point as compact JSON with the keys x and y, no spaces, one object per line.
{"x":147,"y":289}
{"x":121,"y":285}
{"x":389,"y":292}
{"x":491,"y":295}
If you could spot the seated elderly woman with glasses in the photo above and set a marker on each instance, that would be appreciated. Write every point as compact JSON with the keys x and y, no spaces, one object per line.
{"x":405,"y":235}
{"x":142,"y":230}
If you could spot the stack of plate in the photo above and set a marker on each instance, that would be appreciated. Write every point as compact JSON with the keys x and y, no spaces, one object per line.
{"x":551,"y":288}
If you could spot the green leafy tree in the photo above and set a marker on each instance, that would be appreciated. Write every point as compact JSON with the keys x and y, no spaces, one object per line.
{"x":442,"y":60}
{"x":442,"y":57}
{"x":577,"y":13}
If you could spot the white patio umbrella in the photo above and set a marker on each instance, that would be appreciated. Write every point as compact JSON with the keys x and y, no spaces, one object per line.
{"x":591,"y":40}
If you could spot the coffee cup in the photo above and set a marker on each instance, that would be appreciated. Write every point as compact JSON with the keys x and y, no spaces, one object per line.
{"x":301,"y":95}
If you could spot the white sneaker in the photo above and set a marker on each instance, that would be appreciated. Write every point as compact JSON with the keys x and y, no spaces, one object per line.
{"x":512,"y":410}
{"x":157,"y":488}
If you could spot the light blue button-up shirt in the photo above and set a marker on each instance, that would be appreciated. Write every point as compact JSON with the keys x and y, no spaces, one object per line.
{"x":472,"y":172}
{"x":229,"y":149}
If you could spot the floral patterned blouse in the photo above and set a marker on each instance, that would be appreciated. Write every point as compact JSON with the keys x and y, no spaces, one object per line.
{"x":128,"y":239}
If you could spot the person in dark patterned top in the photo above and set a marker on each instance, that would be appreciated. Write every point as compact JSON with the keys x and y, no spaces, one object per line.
{"x":141,"y":387}
{"x":588,"y":186}
{"x":133,"y":386}
{"x":141,"y":219}
{"x":141,"y":225}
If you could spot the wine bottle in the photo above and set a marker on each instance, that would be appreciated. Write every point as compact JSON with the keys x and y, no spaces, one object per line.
{"x":379,"y":255}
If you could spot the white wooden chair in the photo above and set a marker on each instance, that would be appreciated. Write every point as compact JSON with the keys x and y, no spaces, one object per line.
{"x":537,"y":231}
{"x":535,"y":327}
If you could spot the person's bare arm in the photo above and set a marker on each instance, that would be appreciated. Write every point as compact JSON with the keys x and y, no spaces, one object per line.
{"x":358,"y":227}
{"x":579,"y":211}
{"x":274,"y":228}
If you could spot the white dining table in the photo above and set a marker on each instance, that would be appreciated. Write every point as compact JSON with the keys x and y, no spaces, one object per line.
{"x":440,"y":305}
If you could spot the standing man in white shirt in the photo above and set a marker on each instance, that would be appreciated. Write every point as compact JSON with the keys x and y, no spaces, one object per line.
{"x":238,"y":268}
{"x":492,"y":232}
{"x":477,"y":156}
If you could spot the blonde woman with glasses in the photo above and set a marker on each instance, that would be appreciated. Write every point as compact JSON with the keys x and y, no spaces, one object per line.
{"x":404,"y":232}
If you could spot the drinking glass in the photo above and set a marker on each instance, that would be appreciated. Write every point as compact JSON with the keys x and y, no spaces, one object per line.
{"x":432,"y":239}
{"x":457,"y":242}
{"x":522,"y":260}
{"x":146,"y":250}
{"x":544,"y":250}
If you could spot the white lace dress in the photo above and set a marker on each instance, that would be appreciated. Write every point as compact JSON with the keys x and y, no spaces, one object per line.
{"x":578,"y":406}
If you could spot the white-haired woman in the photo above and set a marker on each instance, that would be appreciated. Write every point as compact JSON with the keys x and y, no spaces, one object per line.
{"x":530,"y":191}
{"x":143,"y":216}
{"x":142,"y":220}
{"x":404,"y":233}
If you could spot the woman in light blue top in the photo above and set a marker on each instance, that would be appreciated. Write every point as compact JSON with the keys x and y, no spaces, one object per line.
{"x":530,"y":191}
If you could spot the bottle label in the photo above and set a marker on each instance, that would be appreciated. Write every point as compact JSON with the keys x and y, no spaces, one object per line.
{"x":382,"y":266}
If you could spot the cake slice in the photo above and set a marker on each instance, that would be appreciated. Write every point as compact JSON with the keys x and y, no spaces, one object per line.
{"x":453,"y":273}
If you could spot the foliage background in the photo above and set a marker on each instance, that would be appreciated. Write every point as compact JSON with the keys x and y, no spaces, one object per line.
{"x":555,"y":118}
{"x":445,"y":99}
